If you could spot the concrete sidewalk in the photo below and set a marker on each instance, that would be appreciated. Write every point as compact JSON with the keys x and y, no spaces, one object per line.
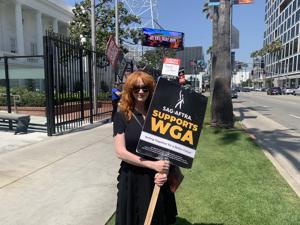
{"x":281,"y":145}
{"x":63,"y":180}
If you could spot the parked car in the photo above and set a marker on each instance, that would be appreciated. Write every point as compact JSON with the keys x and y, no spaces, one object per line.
{"x":274,"y":91}
{"x":297,"y":91}
{"x":288,"y":91}
{"x":246,"y":89}
{"x":234,"y":93}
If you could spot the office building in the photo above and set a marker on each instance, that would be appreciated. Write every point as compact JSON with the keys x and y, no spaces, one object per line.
{"x":282,"y":19}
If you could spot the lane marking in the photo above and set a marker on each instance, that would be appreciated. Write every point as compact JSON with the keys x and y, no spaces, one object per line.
{"x":294,"y":116}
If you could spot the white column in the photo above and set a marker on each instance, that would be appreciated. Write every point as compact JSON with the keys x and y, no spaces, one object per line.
{"x":39,"y":32}
{"x":55,"y":26}
{"x":19,"y":28}
{"x":1,"y":27}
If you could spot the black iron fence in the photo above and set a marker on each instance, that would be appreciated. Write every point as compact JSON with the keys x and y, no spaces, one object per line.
{"x":74,"y":95}
{"x":22,"y":88}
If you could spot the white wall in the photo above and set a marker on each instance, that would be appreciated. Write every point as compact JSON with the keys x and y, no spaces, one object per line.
{"x":8,"y":23}
{"x":51,"y":11}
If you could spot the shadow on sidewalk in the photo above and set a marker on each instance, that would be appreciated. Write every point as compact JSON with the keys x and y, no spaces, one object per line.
{"x":182,"y":221}
{"x":280,"y":142}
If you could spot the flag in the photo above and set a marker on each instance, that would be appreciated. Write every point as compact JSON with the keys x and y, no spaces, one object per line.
{"x":242,"y":1}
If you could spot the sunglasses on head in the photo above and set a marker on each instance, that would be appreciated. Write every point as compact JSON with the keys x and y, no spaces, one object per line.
{"x":137,"y":89}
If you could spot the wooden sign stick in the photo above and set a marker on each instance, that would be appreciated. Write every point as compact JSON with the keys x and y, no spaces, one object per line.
{"x":152,"y":205}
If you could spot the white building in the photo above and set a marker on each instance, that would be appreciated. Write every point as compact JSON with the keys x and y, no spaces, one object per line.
{"x":24,"y":22}
{"x":239,"y":77}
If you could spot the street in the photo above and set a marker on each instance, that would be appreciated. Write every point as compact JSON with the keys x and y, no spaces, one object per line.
{"x":274,"y":122}
{"x":283,"y":109}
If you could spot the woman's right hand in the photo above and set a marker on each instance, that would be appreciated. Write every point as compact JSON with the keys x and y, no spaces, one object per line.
{"x":161,"y":166}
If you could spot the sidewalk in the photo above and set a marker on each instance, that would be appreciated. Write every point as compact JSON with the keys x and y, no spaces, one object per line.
{"x":281,"y":145}
{"x":63,"y":180}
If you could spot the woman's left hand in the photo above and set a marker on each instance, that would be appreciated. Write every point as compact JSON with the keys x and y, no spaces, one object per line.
{"x":160,"y":179}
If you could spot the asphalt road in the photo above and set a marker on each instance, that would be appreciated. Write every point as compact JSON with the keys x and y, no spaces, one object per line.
{"x":283,"y":109}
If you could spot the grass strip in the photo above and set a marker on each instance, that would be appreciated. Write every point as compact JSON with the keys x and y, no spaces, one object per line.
{"x":233,"y":183}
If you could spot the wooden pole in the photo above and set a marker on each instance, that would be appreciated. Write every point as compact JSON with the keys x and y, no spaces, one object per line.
{"x":152,"y":205}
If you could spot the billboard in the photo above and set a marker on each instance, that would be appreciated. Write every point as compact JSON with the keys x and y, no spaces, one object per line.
{"x":162,"y":38}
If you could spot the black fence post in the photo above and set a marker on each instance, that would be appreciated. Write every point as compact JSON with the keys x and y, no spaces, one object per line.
{"x":81,"y":82}
{"x":7,"y":84}
{"x":48,"y":62}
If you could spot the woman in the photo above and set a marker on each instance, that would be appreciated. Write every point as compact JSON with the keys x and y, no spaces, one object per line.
{"x":138,"y":174}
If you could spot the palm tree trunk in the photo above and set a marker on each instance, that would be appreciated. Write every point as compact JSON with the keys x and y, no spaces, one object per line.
{"x":214,"y":52}
{"x":221,"y":107}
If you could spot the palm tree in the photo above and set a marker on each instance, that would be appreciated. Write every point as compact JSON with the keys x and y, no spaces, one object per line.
{"x":274,"y":48}
{"x":221,"y":105}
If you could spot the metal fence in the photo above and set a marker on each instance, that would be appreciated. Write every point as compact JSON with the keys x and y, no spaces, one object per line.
{"x":74,"y":95}
{"x":22,"y":88}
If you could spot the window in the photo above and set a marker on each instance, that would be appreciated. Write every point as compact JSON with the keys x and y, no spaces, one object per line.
{"x":298,"y":63}
{"x":292,"y":32}
{"x":290,"y":65}
{"x":291,"y":48}
{"x":295,"y":64}
{"x":295,"y":49}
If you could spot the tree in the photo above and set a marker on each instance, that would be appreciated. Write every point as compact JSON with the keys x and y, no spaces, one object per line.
{"x":221,"y":105}
{"x":80,"y":27}
{"x":153,"y":58}
{"x":274,"y":48}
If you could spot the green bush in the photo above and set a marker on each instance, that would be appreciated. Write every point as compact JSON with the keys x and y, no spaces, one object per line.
{"x":38,"y":98}
{"x":28,"y":98}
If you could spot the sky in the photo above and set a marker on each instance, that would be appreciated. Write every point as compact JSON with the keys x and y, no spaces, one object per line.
{"x":186,"y":16}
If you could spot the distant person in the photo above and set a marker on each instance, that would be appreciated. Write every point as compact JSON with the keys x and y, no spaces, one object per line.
{"x":138,"y":173}
{"x":116,"y":93}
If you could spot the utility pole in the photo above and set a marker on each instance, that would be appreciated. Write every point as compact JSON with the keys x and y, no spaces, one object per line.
{"x":117,"y":23}
{"x":94,"y":55}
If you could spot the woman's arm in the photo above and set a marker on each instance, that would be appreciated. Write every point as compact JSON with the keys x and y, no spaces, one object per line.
{"x":161,"y":166}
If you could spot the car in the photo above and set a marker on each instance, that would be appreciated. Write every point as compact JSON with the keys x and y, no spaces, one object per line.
{"x":274,"y":91}
{"x":246,"y":89}
{"x":234,"y":93}
{"x":288,"y":91}
{"x":297,"y":91}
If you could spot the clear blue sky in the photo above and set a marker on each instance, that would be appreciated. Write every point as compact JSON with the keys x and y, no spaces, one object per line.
{"x":186,"y":16}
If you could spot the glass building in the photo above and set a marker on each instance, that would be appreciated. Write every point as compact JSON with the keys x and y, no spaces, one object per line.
{"x":282,"y":19}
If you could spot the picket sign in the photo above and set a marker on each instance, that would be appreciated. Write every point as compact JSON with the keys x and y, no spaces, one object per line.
{"x":178,"y":109}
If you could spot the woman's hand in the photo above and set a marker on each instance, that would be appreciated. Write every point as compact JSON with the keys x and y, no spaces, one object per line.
{"x":160,"y":179}
{"x":161,"y":166}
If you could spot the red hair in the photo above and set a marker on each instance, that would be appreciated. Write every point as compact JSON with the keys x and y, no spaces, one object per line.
{"x":127,"y":99}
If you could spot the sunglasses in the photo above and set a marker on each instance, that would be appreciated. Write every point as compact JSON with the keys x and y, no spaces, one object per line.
{"x":137,"y":89}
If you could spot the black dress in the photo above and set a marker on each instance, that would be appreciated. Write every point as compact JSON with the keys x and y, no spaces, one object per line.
{"x":135,"y":184}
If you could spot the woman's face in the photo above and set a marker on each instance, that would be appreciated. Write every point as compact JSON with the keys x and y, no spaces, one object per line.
{"x":140,"y":91}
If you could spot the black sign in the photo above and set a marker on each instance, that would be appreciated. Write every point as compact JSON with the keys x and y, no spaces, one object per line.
{"x":173,"y":124}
